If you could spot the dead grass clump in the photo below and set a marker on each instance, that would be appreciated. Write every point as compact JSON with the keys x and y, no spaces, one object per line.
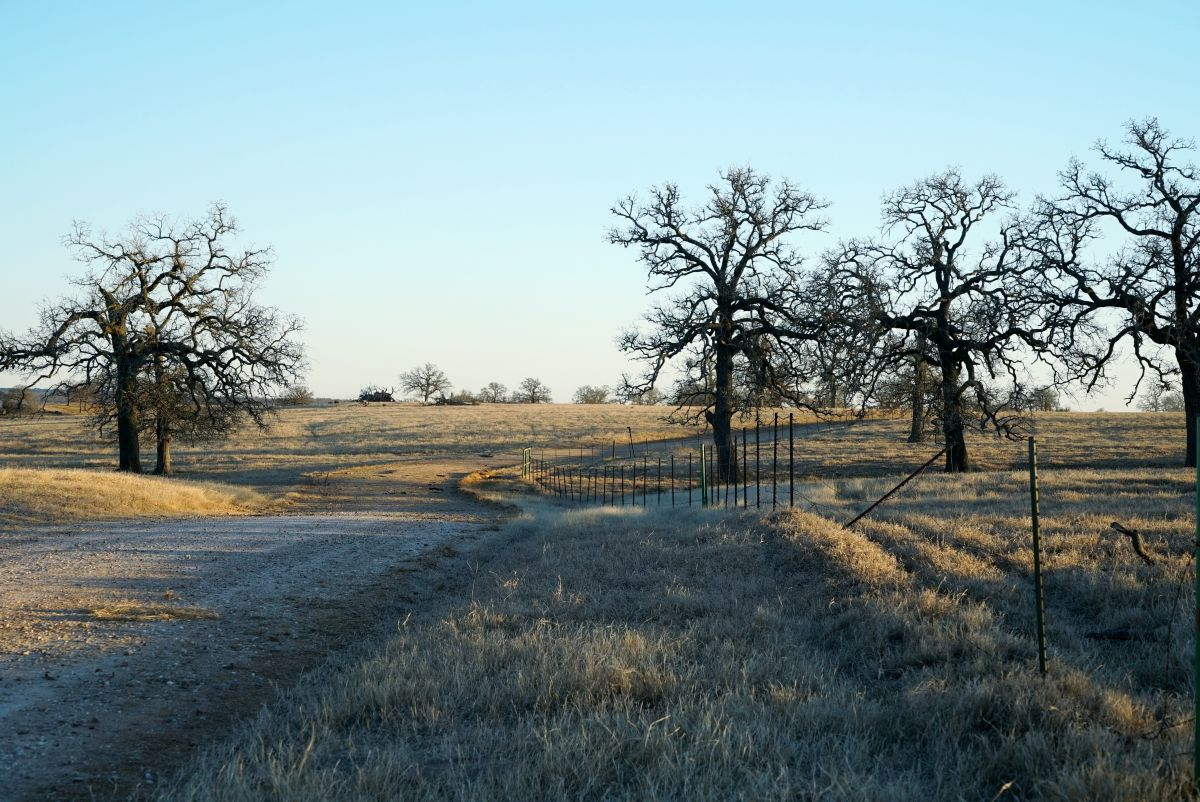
{"x":140,"y":611}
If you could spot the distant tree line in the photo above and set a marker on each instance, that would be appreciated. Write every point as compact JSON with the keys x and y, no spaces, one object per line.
{"x":430,"y":385}
{"x":969,"y":310}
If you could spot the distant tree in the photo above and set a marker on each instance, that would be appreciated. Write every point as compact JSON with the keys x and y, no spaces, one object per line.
{"x":1160,"y":397}
{"x":737,"y":289}
{"x":1151,"y":398}
{"x":906,"y":384}
{"x":651,"y":396}
{"x":14,"y":401}
{"x":531,"y":391}
{"x":425,"y":381}
{"x":297,"y":396}
{"x":493,"y":393}
{"x":587,"y":394}
{"x":167,"y":306}
{"x":1044,"y":399}
{"x":373,"y":393}
{"x":459,"y":399}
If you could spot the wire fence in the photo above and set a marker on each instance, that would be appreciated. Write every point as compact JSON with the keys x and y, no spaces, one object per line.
{"x":757,"y":469}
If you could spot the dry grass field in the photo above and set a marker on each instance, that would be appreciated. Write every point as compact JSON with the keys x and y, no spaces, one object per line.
{"x":606,"y":654}
{"x":286,"y":466}
{"x":662,"y":653}
{"x":57,"y":469}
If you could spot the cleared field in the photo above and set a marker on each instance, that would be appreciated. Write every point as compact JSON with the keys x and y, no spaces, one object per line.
{"x":687,"y":654}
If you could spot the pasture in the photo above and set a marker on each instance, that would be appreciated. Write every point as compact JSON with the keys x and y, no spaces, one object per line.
{"x":659,"y":653}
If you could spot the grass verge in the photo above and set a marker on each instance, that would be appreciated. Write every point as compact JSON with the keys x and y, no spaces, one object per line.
{"x":623,"y":654}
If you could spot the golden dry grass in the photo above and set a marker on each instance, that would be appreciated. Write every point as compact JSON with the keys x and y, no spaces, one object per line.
{"x":308,"y":440}
{"x":33,"y":496}
{"x":140,"y":611}
{"x":257,"y":470}
{"x":620,"y":655}
{"x":702,"y":655}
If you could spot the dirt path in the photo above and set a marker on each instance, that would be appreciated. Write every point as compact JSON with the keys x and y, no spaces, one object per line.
{"x":98,"y":709}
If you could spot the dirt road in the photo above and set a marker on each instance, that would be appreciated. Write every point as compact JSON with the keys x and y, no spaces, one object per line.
{"x":98,"y":709}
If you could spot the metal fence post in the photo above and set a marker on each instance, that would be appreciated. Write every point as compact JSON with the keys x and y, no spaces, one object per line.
{"x":1039,"y":595}
{"x":703,"y":479}
{"x":791,"y":459}
{"x":645,"y":481}
{"x":689,"y":479}
{"x":745,"y":472}
{"x":757,"y":462}
{"x":775,"y":461}
{"x":672,"y":480}
{"x":1196,"y":675}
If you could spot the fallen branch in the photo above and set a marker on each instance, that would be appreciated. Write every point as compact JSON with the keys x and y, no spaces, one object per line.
{"x":1135,"y":539}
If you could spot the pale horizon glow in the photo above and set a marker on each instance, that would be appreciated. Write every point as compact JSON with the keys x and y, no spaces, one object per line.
{"x":435,"y":179}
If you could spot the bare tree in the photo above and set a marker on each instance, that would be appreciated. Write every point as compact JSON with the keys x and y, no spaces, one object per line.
{"x":1044,"y":398}
{"x":736,"y":284}
{"x":493,"y":393}
{"x":425,"y":381}
{"x":531,"y":391}
{"x":960,"y":304}
{"x":906,"y":385}
{"x":167,"y":304}
{"x":649,"y":397}
{"x":297,"y":396}
{"x":1145,"y":293}
{"x":587,"y":394}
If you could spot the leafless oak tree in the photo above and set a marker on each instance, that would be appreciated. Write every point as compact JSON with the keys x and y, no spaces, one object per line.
{"x":1145,"y":293}
{"x":735,"y":288}
{"x":425,"y":381}
{"x":165,"y":320}
{"x":959,"y":304}
{"x":589,"y":394}
{"x":493,"y":393}
{"x":531,"y":391}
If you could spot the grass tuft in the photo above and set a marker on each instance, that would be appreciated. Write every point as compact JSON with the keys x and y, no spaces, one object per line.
{"x":138,"y":611}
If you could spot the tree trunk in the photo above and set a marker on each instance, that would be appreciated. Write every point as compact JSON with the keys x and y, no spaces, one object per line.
{"x":916,"y":432}
{"x":162,"y":432}
{"x":721,"y":416}
{"x":952,"y":419}
{"x":128,"y":445}
{"x":1189,"y":379}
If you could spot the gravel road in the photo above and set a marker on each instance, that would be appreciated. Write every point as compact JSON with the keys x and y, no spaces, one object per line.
{"x":98,"y":709}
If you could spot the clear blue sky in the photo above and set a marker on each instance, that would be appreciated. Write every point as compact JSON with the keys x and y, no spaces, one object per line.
{"x":436,"y":178}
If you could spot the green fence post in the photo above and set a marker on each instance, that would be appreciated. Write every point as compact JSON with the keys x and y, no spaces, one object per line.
{"x":703,"y":479}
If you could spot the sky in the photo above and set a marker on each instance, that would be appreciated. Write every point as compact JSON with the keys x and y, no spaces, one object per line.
{"x":435,"y":178}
